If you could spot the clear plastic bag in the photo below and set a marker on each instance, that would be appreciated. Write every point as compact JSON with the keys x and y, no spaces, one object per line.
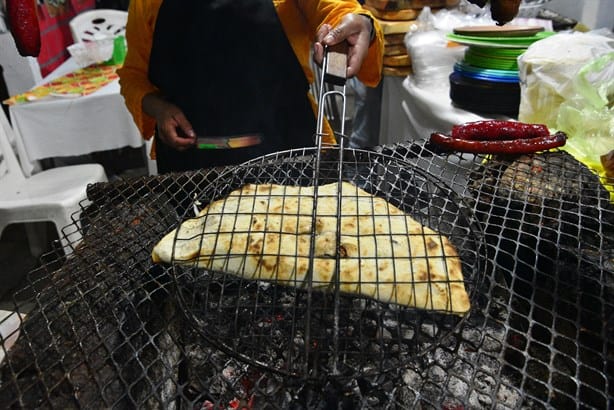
{"x":567,"y":83}
{"x":432,"y":55}
{"x":588,"y":116}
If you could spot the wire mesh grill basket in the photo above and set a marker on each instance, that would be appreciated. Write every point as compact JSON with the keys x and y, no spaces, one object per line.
{"x":292,"y":328}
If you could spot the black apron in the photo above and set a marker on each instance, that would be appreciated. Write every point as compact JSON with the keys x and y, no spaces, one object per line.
{"x":228,"y":65}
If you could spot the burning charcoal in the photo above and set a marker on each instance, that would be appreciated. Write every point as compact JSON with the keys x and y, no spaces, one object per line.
{"x":408,"y":334}
{"x":485,"y":383}
{"x":437,"y":374}
{"x":492,"y":344}
{"x":508,"y":395}
{"x":429,"y":329}
{"x":444,"y":358}
{"x":479,"y":401}
{"x":412,"y":378}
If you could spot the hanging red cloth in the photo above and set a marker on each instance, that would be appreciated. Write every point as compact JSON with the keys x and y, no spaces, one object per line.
{"x":53,"y":18}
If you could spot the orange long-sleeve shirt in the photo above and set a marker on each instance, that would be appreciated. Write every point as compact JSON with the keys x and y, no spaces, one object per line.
{"x":300,"y":21}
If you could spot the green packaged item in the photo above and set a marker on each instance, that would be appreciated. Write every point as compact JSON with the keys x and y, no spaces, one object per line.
{"x":119,"y":51}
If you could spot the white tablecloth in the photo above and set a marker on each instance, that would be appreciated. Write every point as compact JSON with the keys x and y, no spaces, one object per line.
{"x":62,"y":126}
{"x":411,"y":111}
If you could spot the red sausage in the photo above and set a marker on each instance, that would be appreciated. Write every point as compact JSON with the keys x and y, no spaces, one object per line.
{"x":519,"y":146}
{"x":498,"y":130}
{"x":23,"y":23}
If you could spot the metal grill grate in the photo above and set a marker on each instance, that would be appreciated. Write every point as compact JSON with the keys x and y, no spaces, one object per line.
{"x":102,"y":328}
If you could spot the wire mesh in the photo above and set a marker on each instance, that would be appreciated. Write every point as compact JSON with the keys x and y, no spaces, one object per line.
{"x":103,"y":328}
{"x":297,"y":331}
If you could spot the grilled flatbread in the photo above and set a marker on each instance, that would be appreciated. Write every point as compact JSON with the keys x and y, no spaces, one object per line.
{"x":264,"y":232}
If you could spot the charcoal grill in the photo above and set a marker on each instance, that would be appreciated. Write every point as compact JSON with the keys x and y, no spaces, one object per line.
{"x":103,"y":328}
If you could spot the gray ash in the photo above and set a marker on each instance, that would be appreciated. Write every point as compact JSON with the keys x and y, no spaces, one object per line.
{"x":465,"y":370}
{"x":280,"y":329}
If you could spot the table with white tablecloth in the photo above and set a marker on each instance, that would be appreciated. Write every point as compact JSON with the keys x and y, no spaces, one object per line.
{"x":72,"y":126}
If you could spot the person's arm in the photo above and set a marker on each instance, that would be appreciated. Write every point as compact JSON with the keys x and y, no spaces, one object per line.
{"x":174,"y":129}
{"x":133,"y":75}
{"x":502,"y":11}
{"x":354,"y":28}
{"x":144,"y":101}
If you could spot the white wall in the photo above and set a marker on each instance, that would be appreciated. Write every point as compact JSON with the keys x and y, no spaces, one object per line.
{"x":592,"y":13}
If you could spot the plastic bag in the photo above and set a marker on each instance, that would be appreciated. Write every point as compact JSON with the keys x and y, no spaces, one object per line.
{"x":432,"y":55}
{"x":567,"y":83}
{"x":588,"y":116}
{"x":547,"y":70}
{"x":432,"y":58}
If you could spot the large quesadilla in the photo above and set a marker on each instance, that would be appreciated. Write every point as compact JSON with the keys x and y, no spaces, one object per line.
{"x":268,"y":232}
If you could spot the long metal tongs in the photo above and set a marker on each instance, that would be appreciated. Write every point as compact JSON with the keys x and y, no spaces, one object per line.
{"x":334,"y":73}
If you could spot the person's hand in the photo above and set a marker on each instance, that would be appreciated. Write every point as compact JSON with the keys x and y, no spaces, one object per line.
{"x":353,"y":28}
{"x":174,"y":129}
{"x":502,"y":11}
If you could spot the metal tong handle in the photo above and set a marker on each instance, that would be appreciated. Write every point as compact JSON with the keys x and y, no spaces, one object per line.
{"x":334,"y":71}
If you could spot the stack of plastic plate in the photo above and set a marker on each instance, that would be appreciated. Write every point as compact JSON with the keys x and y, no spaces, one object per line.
{"x":493,"y":58}
{"x":486,"y":80}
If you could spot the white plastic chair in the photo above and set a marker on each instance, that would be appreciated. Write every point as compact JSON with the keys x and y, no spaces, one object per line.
{"x":54,"y":195}
{"x":94,"y":24}
{"x":20,"y":73}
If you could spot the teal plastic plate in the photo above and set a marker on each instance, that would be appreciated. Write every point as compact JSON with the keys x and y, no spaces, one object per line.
{"x":499,"y":76}
{"x":482,"y":57}
{"x":499,"y":42}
